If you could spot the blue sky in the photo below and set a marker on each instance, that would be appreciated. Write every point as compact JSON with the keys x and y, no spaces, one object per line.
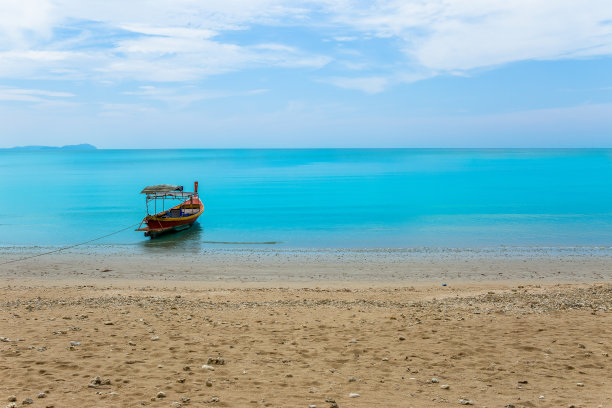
{"x":329,"y":73}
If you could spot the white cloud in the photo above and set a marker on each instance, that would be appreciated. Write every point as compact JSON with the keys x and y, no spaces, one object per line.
{"x":170,"y":41}
{"x":181,"y":97}
{"x":465,"y":34}
{"x":30,"y":95}
{"x":182,"y":40}
{"x":370,"y":85}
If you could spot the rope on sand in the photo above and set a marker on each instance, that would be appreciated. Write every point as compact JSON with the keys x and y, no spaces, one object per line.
{"x":68,"y":247}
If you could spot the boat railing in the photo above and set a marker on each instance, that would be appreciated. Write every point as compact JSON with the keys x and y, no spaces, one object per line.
{"x":174,"y":194}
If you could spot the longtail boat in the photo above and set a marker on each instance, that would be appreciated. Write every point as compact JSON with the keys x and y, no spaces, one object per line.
{"x":176,"y":218}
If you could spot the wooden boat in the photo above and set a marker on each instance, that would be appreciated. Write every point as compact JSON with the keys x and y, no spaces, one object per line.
{"x":176,"y":218}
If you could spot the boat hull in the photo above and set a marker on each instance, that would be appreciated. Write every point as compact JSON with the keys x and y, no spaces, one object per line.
{"x":156,"y":232}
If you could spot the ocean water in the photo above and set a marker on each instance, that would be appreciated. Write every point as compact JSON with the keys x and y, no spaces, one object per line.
{"x":319,"y":198}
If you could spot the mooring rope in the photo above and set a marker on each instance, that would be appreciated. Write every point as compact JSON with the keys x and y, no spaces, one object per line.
{"x":69,"y":246}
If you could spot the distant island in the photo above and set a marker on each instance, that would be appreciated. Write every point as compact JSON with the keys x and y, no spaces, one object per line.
{"x":83,"y":146}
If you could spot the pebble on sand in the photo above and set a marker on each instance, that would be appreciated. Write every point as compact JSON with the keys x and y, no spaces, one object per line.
{"x":98,"y":381}
{"x":216,"y":360}
{"x":161,"y":394}
{"x":465,"y":402}
{"x":12,"y":398}
{"x":354,"y":395}
{"x":445,"y":386}
{"x":208,"y":367}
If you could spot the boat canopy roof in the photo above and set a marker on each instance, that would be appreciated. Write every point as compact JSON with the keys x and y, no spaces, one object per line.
{"x":161,"y":188}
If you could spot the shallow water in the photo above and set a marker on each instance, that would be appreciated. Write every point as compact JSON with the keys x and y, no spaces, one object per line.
{"x":359,"y":198}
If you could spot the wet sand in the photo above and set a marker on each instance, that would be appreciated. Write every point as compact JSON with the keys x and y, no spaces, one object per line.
{"x":262,"y":265}
{"x":346,"y":344}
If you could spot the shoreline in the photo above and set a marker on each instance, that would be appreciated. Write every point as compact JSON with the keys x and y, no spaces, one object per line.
{"x":395,"y":266}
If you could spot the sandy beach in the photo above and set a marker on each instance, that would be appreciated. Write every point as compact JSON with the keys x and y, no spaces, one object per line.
{"x":118,"y":343}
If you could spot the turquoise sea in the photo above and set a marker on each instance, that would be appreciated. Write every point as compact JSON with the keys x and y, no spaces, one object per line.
{"x":319,"y":198}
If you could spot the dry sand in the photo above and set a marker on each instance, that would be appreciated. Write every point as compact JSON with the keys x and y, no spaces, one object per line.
{"x":487,"y":344}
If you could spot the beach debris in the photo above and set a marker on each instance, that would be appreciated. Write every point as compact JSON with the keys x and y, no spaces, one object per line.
{"x":176,"y":404}
{"x":312,"y":406}
{"x":211,"y":368}
{"x":435,"y":380}
{"x":12,"y":405}
{"x":385,"y":359}
{"x":161,"y":394}
{"x":75,"y":343}
{"x":332,"y":402}
{"x":97,"y":381}
{"x":354,"y":395}
{"x":541,"y":397}
{"x":465,"y":402}
{"x":580,"y":384}
{"x":444,"y":284}
{"x":154,"y":338}
{"x":216,"y":360}
{"x":5,"y":339}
